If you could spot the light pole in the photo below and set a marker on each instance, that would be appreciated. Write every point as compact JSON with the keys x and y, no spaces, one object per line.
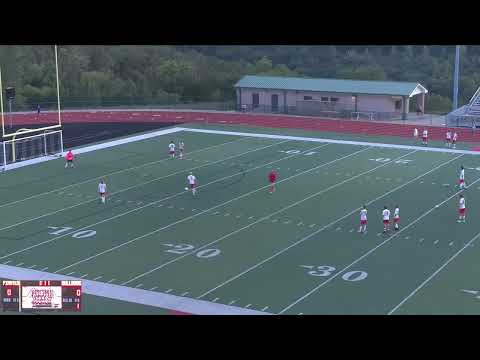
{"x":455,"y":77}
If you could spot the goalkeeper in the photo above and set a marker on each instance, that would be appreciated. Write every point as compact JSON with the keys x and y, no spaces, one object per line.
{"x":69,"y":159}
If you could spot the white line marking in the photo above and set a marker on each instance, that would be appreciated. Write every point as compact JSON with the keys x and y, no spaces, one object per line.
{"x":435,"y":242}
{"x":20,"y":264}
{"x":215,"y":300}
{"x":70,"y":273}
{"x":274,"y":220}
{"x":473,"y":292}
{"x":352,"y":230}
{"x":169,"y":291}
{"x":232,"y":302}
{"x":338,"y":229}
{"x":434,"y":274}
{"x":370,"y":252}
{"x":33,"y":266}
{"x":330,"y":224}
{"x":185,"y":293}
{"x":84,"y":275}
{"x":450,"y":244}
{"x":98,"y":277}
{"x":379,"y":234}
{"x":246,"y":307}
{"x":312,"y":225}
{"x":142,"y":184}
{"x":407,"y":237}
{"x":153,"y":288}
{"x":6,"y":262}
{"x":139,"y":285}
{"x":178,"y":194}
{"x":300,"y":223}
{"x":251,"y":217}
{"x":421,"y":240}
{"x":45,"y":268}
{"x":111,"y":280}
{"x":265,"y":308}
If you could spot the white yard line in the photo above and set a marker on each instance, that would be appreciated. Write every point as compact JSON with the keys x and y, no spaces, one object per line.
{"x":434,"y":274}
{"x":199,"y":213}
{"x":262,"y":219}
{"x":133,"y":295}
{"x":372,"y":250}
{"x":139,"y":185}
{"x":331,"y":141}
{"x":325,"y":227}
{"x":110,"y":174}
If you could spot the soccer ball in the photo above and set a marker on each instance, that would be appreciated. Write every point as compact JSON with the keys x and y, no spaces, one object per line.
{"x":186,"y":189}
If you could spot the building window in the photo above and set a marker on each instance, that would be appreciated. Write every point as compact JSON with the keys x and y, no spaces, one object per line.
{"x":334,"y":99}
{"x":307,"y":98}
{"x":324,"y":98}
{"x":398,"y":104}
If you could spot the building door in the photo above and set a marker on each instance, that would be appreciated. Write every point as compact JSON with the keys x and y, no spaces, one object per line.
{"x":255,"y":100}
{"x":274,"y":103}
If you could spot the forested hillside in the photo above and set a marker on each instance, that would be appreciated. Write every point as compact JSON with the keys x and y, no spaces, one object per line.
{"x":130,"y":75}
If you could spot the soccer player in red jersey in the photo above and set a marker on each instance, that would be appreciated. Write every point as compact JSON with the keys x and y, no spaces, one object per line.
{"x":69,"y":159}
{"x":272,"y":177}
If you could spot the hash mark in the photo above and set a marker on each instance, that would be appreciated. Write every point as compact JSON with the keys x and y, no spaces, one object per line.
{"x":435,"y":242}
{"x":112,"y":280}
{"x":450,"y":244}
{"x":6,"y":262}
{"x":300,"y":223}
{"x":138,"y":285}
{"x":31,"y":267}
{"x":185,"y":293}
{"x":214,"y":300}
{"x":287,"y":222}
{"x":421,"y":240}
{"x":338,"y":229}
{"x":98,"y":277}
{"x":45,"y":268}
{"x":232,"y":302}
{"x":311,"y":226}
{"x":407,"y":237}
{"x":379,"y":234}
{"x":153,"y":288}
{"x":274,"y":220}
{"x":238,"y":216}
{"x":182,"y":209}
{"x":251,"y":217}
{"x":160,"y":205}
{"x":168,"y":291}
{"x":246,"y":307}
{"x":20,"y":264}
{"x":352,"y":230}
{"x":227,"y":214}
{"x":84,"y":275}
{"x":70,"y":273}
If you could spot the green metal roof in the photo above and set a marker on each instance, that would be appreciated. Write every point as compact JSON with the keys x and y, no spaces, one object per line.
{"x":329,"y":85}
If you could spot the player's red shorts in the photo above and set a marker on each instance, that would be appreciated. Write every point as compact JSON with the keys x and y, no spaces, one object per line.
{"x":424,"y":138}
{"x":461,"y":211}
{"x":272,"y":180}
{"x":171,"y":152}
{"x":396,"y":220}
{"x":448,"y":140}
{"x":386,"y":222}
{"x":461,"y":181}
{"x":363,"y":222}
{"x":192,"y":186}
{"x":102,"y":194}
{"x":454,"y":141}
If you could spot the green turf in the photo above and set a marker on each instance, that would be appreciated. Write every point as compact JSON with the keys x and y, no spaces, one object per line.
{"x":241,"y":246}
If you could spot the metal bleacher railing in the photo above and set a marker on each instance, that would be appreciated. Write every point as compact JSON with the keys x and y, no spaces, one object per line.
{"x":467,"y":115}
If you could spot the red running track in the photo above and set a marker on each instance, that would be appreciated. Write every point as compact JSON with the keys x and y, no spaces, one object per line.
{"x":263,"y":120}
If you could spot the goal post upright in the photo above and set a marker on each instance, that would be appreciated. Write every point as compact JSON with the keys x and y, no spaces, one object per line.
{"x":1,"y":102}
{"x":58,"y":86}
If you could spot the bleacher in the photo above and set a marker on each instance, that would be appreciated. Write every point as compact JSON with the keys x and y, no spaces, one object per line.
{"x":467,"y":115}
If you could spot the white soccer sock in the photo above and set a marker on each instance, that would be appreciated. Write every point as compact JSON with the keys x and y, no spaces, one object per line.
{"x":103,"y":199}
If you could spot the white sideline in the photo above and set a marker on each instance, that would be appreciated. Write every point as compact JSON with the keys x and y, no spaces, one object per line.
{"x":374,"y":249}
{"x":114,"y":173}
{"x":132,"y":295}
{"x":325,"y":227}
{"x":90,"y":148}
{"x":331,"y":141}
{"x":140,"y":184}
{"x":434,"y":274}
{"x":265,"y":218}
{"x":169,"y":197}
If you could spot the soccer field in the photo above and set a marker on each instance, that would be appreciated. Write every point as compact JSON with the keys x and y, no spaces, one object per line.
{"x":236,"y":249}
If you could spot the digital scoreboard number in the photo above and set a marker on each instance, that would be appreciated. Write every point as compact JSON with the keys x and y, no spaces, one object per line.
{"x":61,"y":295}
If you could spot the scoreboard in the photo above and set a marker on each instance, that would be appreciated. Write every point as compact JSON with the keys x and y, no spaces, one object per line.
{"x":30,"y":295}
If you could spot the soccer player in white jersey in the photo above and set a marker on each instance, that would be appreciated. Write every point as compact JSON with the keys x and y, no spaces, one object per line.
{"x":461,"y":209}
{"x":415,"y":134}
{"x":192,"y":183}
{"x":461,"y":179}
{"x":396,"y":217}
{"x":425,"y":137}
{"x":448,"y":138}
{"x":386,"y":219}
{"x":363,"y":220}
{"x":171,"y":149}
{"x":102,"y":190}
{"x":181,"y":147}
{"x":454,"y":139}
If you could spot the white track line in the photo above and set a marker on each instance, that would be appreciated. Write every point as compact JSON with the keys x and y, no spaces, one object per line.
{"x":434,"y":274}
{"x":167,"y":198}
{"x":262,"y":219}
{"x":199,"y":213}
{"x":139,"y":185}
{"x":110,"y":174}
{"x":372,"y":250}
{"x":325,"y":227}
